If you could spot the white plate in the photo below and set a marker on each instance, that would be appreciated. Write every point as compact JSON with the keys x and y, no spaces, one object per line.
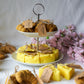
{"x":30,"y":64}
{"x":31,"y":34}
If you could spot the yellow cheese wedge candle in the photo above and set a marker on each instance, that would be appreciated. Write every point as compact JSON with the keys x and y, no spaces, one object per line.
{"x":66,"y":72}
{"x":55,"y":75}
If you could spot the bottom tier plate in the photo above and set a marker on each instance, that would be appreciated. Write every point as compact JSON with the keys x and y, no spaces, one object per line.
{"x":31,"y":64}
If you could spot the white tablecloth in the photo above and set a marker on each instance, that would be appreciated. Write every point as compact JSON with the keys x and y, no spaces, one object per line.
{"x":7,"y":67}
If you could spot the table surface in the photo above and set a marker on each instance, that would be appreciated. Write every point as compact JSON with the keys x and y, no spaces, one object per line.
{"x":7,"y":67}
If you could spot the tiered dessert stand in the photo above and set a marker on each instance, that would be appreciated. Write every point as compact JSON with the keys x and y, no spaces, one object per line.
{"x":36,"y":35}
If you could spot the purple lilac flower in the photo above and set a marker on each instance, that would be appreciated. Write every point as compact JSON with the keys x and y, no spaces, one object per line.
{"x":82,"y":52}
{"x":57,"y":34}
{"x":76,"y":44}
{"x":42,"y":42}
{"x":71,"y":27}
{"x":34,"y":41}
{"x":81,"y":43}
{"x":81,"y":35}
{"x":79,"y":55}
{"x":70,"y":52}
{"x":52,"y":43}
{"x":69,"y":41}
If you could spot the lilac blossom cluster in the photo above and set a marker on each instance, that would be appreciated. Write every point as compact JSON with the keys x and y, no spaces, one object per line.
{"x":34,"y":41}
{"x":68,"y":41}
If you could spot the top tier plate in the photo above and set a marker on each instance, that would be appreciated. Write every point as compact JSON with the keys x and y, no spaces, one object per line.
{"x":31,"y":34}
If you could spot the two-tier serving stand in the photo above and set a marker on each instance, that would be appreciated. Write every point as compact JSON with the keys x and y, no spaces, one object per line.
{"x":36,"y":11}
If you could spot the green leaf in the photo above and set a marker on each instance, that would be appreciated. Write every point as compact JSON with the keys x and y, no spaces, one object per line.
{"x":66,"y":27}
{"x":62,"y":35}
{"x":47,"y":37}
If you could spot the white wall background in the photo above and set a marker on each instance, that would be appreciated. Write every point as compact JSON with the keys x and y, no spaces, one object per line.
{"x":63,"y":12}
